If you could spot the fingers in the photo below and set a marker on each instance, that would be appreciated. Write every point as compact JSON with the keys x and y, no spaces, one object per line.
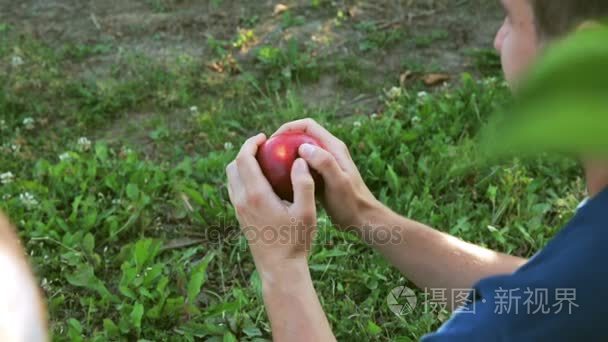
{"x":303,"y":184}
{"x":235,"y":188}
{"x":332,"y":144}
{"x":309,"y":126}
{"x":322,"y":161}
{"x":251,"y":176}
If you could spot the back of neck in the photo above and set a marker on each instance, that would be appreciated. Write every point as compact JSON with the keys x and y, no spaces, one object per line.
{"x":596,"y":173}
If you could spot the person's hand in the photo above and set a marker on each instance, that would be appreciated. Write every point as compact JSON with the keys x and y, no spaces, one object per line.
{"x":278,"y":232}
{"x":346,"y":198}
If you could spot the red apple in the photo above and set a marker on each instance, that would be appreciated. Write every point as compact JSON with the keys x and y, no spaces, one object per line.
{"x":276,"y":157}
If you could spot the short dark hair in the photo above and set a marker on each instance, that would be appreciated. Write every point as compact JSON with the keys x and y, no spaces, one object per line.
{"x":556,"y":18}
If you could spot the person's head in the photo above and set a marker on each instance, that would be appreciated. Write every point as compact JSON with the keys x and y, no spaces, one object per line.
{"x":531,"y":23}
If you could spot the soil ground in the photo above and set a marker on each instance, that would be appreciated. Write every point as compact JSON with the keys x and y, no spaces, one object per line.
{"x":406,"y":35}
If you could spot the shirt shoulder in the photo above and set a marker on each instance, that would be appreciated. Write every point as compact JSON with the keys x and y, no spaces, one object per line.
{"x":558,"y":295}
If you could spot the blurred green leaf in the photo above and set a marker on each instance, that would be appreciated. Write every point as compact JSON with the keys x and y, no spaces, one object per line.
{"x":85,"y":277}
{"x":132,"y":191}
{"x":198,"y":277}
{"x":136,"y":315}
{"x":562,"y":106}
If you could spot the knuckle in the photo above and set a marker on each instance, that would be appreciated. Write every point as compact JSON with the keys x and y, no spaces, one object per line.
{"x":255,"y":198}
{"x":343,"y":146}
{"x":325,"y":160}
{"x":310,"y":121}
{"x":307,"y":215}
{"x":240,"y":207}
{"x":240,"y":160}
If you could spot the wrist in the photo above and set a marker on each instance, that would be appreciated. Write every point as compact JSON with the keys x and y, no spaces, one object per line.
{"x":370,"y":213}
{"x":376,"y":225}
{"x":285,"y":275}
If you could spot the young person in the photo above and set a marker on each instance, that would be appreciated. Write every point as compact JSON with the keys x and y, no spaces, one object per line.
{"x":572,"y":261}
{"x":23,"y":315}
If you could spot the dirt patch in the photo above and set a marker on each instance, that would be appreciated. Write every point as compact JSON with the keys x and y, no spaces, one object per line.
{"x":362,"y":46}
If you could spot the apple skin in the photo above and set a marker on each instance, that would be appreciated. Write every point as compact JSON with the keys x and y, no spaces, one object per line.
{"x":276,"y":157}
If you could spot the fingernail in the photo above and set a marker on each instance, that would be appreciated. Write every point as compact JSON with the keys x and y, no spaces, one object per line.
{"x":306,"y":150}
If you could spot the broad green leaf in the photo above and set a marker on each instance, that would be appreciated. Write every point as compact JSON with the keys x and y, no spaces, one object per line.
{"x":145,"y":251}
{"x":372,"y":328}
{"x":101,"y":151}
{"x":110,"y":328}
{"x":136,"y":315}
{"x":174,"y":306}
{"x":198,"y":277}
{"x":562,"y":106}
{"x":85,"y":277}
{"x":75,"y":330}
{"x":132,"y":191}
{"x":252,"y":332}
{"x":229,"y":337}
{"x":88,"y":243}
{"x":128,"y":275}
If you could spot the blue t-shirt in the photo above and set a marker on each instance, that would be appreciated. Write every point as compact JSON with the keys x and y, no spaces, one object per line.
{"x":561,"y":294}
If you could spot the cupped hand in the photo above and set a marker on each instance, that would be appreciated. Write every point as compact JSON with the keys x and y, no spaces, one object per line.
{"x":277,"y":231}
{"x":346,"y":198}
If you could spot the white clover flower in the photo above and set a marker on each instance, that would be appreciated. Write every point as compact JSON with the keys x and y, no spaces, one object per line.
{"x":194,"y":110}
{"x":28,"y":200}
{"x":228,"y":146}
{"x":394,"y":93}
{"x":84,"y":144}
{"x":357,"y":123}
{"x":416,"y":120}
{"x":45,"y":284}
{"x":423,"y":97}
{"x":126,"y":150}
{"x":17,"y":61}
{"x":374,"y":116}
{"x":65,"y":156}
{"x":28,"y":123}
{"x":15,"y":148}
{"x":7,"y":178}
{"x":490,"y":81}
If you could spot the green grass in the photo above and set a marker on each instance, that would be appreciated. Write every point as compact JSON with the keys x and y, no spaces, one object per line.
{"x":130,"y":247}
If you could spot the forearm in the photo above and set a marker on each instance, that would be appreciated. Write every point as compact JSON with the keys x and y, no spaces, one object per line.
{"x":292,"y":304}
{"x":430,"y":258}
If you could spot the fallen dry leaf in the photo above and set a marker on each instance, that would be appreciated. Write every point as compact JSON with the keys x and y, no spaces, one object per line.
{"x":279,"y":8}
{"x":404,"y":77}
{"x":435,"y":79}
{"x":217,"y":67}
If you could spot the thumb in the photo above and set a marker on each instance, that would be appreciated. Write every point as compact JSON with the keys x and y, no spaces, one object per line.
{"x":321,"y":160}
{"x":303,"y":185}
